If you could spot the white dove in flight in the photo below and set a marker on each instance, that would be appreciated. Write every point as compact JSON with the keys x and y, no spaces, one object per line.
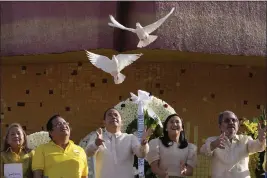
{"x":143,"y":33}
{"x":114,"y":66}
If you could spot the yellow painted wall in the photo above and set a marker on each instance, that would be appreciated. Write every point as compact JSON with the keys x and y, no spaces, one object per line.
{"x":81,"y":93}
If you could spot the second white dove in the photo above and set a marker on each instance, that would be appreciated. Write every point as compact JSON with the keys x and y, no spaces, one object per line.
{"x":143,"y":33}
{"x":113,"y":66}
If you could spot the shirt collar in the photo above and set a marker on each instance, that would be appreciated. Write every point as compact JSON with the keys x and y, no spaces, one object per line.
{"x":236,"y":138}
{"x":117,"y":134}
{"x":10,"y":149}
{"x":53,"y":143}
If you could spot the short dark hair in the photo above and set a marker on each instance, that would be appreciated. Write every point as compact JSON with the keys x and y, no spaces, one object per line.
{"x":49,"y":124}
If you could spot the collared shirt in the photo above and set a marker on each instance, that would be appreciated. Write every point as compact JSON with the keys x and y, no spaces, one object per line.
{"x":115,"y":159}
{"x":8,"y":157}
{"x":55,"y":162}
{"x":232,"y":162}
{"x":170,"y":157}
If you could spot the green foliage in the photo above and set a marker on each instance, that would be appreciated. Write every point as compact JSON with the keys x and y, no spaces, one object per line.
{"x":149,"y":123}
{"x":158,"y":131}
{"x":251,"y":129}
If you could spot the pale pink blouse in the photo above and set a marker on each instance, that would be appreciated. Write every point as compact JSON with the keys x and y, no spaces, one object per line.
{"x":170,"y":157}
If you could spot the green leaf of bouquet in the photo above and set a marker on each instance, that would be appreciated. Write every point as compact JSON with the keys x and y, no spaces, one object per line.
{"x":255,"y":119}
{"x":261,"y":118}
{"x":158,"y":132}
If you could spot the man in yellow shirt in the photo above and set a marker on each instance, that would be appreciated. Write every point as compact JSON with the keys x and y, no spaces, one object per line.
{"x":60,"y":158}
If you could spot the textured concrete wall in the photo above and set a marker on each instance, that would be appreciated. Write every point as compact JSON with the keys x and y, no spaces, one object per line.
{"x":80,"y":92}
{"x":237,"y":28}
{"x":34,"y":91}
{"x":31,"y":93}
{"x":55,"y":27}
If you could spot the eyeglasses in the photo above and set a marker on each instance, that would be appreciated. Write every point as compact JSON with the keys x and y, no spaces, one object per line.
{"x":228,"y":120}
{"x":60,"y":124}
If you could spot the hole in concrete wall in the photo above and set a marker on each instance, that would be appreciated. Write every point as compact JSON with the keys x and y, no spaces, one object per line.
{"x":24,"y":127}
{"x":22,"y":104}
{"x":51,"y":92}
{"x":250,"y":74}
{"x":212,"y":95}
{"x":74,"y":72}
{"x":41,"y":104}
{"x":7,"y":125}
{"x":161,"y":92}
{"x":27,"y":92}
{"x":157,"y":85}
{"x":120,"y":97}
{"x":23,"y":68}
{"x":80,"y":63}
{"x":245,"y":102}
{"x":183,"y":71}
{"x":67,"y":108}
{"x":2,"y":116}
{"x":104,"y":80}
{"x":92,"y":84}
{"x":258,"y":106}
{"x":9,"y":108}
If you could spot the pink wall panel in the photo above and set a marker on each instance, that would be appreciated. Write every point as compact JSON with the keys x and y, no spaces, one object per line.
{"x":55,"y":27}
{"x":235,"y":28}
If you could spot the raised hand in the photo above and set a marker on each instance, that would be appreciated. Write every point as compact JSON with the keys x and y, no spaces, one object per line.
{"x":147,"y":133}
{"x":183,"y":168}
{"x":261,"y":133}
{"x":219,"y":142}
{"x":99,"y":139}
{"x":164,"y":174}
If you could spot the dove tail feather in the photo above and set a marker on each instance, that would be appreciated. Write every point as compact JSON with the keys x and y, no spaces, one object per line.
{"x":112,"y":25}
{"x":146,"y":42}
{"x":118,"y":79}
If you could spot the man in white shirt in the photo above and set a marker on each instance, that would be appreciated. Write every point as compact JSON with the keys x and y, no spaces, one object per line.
{"x":229,"y":151}
{"x":114,"y":151}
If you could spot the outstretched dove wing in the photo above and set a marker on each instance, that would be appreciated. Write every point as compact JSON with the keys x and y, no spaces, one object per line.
{"x":101,"y":62}
{"x":126,"y":59}
{"x":152,"y":27}
{"x":118,"y":25}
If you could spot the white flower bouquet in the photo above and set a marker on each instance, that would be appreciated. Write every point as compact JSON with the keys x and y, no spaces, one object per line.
{"x":38,"y":138}
{"x":128,"y":110}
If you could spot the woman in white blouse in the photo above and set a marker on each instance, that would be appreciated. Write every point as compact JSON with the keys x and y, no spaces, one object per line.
{"x":171,"y":156}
